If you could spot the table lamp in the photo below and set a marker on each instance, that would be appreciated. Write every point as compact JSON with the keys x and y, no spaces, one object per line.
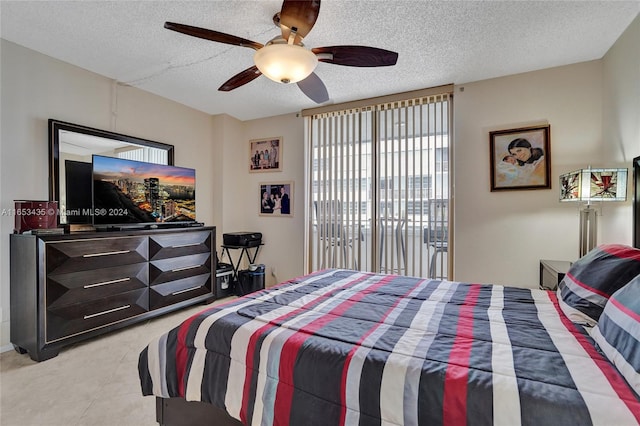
{"x":588,"y":186}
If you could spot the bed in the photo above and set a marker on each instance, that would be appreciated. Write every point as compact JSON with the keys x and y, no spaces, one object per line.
{"x":342,"y":347}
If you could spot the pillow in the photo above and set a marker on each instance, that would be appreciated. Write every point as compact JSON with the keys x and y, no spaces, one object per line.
{"x":618,"y":332}
{"x":592,"y":279}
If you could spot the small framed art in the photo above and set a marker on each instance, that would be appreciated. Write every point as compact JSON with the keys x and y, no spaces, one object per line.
{"x":520,"y":158}
{"x":276,"y":199}
{"x":265,"y":155}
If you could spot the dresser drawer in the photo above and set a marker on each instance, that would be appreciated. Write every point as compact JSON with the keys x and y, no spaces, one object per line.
{"x":179,"y":244}
{"x":83,"y":317}
{"x":83,"y":255}
{"x":175,"y":268}
{"x":84,"y":286}
{"x":178,"y":290}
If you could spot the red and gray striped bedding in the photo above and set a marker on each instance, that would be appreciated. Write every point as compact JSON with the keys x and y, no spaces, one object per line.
{"x":341,"y":347}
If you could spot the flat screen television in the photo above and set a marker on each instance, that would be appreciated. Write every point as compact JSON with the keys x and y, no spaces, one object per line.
{"x":128,"y":193}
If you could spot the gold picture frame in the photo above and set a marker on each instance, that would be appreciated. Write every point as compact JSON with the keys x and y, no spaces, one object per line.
{"x":265,"y":155}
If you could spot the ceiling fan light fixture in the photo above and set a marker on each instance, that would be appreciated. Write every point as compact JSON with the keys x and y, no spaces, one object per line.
{"x":285,"y":63}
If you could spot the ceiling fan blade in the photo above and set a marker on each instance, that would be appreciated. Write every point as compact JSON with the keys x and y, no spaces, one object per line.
{"x":356,"y":56}
{"x":298,"y":15}
{"x":314,"y":88}
{"x":212,"y":35}
{"x":241,"y":79}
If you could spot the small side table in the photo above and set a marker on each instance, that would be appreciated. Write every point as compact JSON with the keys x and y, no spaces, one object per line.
{"x":244,"y":251}
{"x":552,"y":272}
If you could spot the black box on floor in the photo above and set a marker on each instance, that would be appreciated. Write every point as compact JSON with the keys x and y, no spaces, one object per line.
{"x":224,"y":280}
{"x":250,"y":281}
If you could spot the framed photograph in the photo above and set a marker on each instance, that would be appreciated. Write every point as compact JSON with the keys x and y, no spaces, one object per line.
{"x":520,"y":158}
{"x":276,"y":199}
{"x":265,"y":155}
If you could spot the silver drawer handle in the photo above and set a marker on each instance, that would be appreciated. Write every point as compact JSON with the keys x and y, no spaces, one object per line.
{"x":107,"y":312}
{"x":186,"y":245}
{"x":107,"y":282}
{"x":185,"y":268}
{"x":106,"y":253}
{"x":185,"y":290}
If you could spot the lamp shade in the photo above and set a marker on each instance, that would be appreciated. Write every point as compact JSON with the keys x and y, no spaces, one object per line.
{"x":285,"y":63}
{"x":589,"y":185}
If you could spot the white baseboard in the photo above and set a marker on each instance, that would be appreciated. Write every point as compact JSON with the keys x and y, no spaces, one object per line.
{"x":5,"y":342}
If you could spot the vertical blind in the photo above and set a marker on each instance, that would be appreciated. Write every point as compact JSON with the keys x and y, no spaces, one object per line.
{"x":145,"y":153}
{"x":379,"y":187}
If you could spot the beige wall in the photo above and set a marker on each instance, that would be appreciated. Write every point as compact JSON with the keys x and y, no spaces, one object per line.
{"x":228,"y":136}
{"x":240,"y":197}
{"x":36,"y":87}
{"x":594,"y":112}
{"x":501,"y":236}
{"x":621,"y":124}
{"x":282,"y":236}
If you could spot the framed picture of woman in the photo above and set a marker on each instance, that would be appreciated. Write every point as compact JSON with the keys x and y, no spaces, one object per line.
{"x":276,"y":199}
{"x":520,"y":158}
{"x":265,"y":155}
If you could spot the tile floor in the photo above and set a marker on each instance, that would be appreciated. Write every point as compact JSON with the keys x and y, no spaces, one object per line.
{"x":88,"y":384}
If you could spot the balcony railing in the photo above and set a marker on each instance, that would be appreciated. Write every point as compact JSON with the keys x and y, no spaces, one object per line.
{"x":412,"y":249}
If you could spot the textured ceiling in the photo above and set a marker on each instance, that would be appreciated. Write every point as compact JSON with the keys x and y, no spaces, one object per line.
{"x":438,"y":42}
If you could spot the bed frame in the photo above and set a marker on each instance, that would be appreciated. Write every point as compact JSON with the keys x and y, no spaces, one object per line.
{"x":179,"y":412}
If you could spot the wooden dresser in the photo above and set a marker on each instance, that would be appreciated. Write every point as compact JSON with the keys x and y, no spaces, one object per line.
{"x":67,"y":288}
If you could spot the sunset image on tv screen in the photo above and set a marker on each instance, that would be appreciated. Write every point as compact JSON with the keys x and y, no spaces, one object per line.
{"x":127,"y":191}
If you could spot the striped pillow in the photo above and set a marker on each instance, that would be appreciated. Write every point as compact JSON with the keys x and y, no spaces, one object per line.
{"x":618,"y":332}
{"x":592,"y":279}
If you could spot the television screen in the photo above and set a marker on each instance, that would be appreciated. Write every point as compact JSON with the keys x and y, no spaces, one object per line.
{"x":134,"y":192}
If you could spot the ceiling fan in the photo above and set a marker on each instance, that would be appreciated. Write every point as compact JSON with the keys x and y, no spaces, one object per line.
{"x":284,"y":59}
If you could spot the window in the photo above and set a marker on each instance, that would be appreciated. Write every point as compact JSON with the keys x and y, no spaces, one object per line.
{"x":442,"y":159}
{"x":385,"y":166}
{"x":146,"y":154}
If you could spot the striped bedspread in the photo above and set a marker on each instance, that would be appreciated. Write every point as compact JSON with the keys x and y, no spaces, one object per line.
{"x":341,"y":347}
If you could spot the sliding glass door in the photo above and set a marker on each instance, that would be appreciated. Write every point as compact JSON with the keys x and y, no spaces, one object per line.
{"x":379,"y":187}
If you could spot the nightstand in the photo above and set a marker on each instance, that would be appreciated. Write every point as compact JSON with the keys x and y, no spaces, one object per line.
{"x":552,"y":272}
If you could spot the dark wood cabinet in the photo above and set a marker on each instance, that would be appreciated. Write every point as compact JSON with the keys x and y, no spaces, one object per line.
{"x":66,"y":288}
